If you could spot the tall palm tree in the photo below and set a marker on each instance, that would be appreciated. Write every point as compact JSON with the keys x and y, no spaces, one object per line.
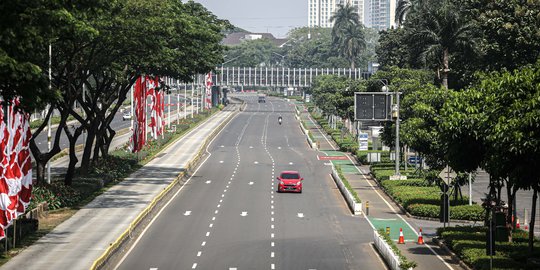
{"x":402,"y":9}
{"x":347,"y":33}
{"x":438,"y":29}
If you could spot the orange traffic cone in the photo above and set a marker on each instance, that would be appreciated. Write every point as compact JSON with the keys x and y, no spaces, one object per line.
{"x":420,"y":238}
{"x":401,"y":239}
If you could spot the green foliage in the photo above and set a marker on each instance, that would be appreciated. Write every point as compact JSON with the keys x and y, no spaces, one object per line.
{"x":253,"y":53}
{"x":347,"y":184}
{"x":469,"y":243}
{"x":56,"y":195}
{"x":348,"y":32}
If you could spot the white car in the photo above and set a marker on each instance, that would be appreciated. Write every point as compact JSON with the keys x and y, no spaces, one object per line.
{"x":126,"y":116}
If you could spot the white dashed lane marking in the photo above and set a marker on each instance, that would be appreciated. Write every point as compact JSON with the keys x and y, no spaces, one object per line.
{"x":187,"y":213}
{"x":243,"y":214}
{"x":208,"y":182}
{"x":250,"y":183}
{"x":199,"y":254}
{"x":194,"y":266}
{"x":300,"y":215}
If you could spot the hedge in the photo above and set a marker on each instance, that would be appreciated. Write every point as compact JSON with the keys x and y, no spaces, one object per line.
{"x":469,"y":243}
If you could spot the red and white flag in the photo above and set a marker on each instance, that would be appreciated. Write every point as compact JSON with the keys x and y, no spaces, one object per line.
{"x":208,"y":99}
{"x":139,"y":116}
{"x":157,"y":122}
{"x":15,"y":165}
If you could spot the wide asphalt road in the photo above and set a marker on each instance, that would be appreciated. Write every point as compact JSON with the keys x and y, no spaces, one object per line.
{"x":229,"y":215}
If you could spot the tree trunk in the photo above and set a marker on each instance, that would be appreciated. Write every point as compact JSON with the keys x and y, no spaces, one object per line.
{"x":91,"y":134}
{"x":68,"y":178}
{"x":446,"y":70}
{"x":42,"y":158}
{"x":533,"y":215}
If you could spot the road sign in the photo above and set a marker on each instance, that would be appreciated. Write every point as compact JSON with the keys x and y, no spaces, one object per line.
{"x":447,"y":174}
{"x":363,"y":141}
{"x":372,"y":106}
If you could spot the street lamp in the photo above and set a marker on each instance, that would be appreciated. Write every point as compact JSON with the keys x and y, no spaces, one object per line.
{"x":228,"y":61}
{"x":395,"y":114}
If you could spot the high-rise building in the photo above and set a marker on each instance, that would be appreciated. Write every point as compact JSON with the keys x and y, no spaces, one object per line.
{"x":320,"y":11}
{"x":378,"y":14}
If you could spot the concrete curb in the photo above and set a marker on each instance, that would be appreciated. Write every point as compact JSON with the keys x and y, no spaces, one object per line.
{"x":121,"y":243}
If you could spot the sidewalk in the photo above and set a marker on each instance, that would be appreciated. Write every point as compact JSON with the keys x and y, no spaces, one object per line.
{"x":383,"y":212}
{"x":83,"y":238}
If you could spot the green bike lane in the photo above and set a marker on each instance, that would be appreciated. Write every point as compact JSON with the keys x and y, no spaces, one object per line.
{"x":382,"y":213}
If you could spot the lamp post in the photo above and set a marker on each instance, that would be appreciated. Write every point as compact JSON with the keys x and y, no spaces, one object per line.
{"x":395,"y":114}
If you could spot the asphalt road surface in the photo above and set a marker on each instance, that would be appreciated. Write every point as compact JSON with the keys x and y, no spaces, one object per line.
{"x":229,"y":215}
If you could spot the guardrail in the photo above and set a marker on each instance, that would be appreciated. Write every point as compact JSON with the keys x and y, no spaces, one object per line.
{"x":356,"y":207}
{"x":102,"y":261}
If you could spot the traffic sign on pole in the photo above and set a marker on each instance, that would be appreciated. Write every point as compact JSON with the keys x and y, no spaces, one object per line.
{"x":447,"y":175}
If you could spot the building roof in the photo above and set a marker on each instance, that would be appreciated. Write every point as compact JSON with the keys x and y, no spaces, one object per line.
{"x":237,"y":38}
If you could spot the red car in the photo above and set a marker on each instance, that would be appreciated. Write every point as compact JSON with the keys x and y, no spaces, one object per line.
{"x":290,"y":181}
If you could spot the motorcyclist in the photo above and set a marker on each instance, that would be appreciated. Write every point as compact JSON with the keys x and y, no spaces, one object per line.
{"x":279,"y":119}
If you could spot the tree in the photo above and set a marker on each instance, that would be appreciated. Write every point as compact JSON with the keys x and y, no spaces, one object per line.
{"x":27,"y":29}
{"x":502,"y":113}
{"x":509,"y":31}
{"x":347,"y":33}
{"x":253,"y":53}
{"x":311,"y":48}
{"x":437,"y":29}
{"x":393,"y":49}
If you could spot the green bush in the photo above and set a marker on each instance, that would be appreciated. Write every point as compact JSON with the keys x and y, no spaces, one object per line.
{"x":469,"y":243}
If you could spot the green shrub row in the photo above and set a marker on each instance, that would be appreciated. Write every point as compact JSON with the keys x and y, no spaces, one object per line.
{"x":347,"y":184}
{"x":469,"y":243}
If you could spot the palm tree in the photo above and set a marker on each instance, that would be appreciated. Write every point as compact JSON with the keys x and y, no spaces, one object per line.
{"x":347,"y":33}
{"x":438,"y":29}
{"x":402,"y":9}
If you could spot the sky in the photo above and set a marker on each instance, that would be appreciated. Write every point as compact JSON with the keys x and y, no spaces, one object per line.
{"x":261,"y":16}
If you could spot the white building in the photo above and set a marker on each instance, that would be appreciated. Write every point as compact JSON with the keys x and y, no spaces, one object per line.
{"x":378,"y":14}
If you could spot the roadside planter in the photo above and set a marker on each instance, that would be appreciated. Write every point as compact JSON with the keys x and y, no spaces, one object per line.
{"x":387,"y":253}
{"x":354,"y":205}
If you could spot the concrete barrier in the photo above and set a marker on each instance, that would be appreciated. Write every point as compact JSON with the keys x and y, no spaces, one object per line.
{"x":356,"y":207}
{"x":386,"y":251}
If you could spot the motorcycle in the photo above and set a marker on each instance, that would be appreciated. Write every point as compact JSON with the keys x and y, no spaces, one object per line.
{"x":279,"y":120}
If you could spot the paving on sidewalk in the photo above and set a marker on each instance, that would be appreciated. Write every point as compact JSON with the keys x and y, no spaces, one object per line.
{"x":383,"y":213}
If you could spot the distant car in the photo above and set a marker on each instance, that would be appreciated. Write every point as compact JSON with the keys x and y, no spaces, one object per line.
{"x":290,"y":181}
{"x":126,"y":116}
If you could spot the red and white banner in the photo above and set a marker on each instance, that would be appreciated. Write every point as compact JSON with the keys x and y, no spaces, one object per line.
{"x":139,"y":116}
{"x":15,"y":165}
{"x":208,"y":99}
{"x":157,"y":122}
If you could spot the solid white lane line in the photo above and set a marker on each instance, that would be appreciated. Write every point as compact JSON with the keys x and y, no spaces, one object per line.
{"x":153,"y":268}
{"x":199,"y":254}
{"x":187,"y":213}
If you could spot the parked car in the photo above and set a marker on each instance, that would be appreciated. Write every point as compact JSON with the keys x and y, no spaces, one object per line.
{"x":290,"y":181}
{"x":126,"y":116}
